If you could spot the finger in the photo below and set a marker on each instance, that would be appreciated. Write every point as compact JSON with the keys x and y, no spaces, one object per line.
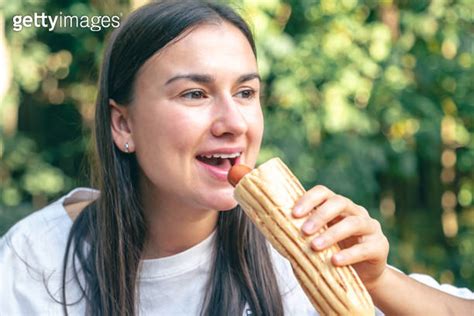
{"x":368,"y":251}
{"x":311,"y":199}
{"x":352,"y":226}
{"x":328,"y":211}
{"x":360,"y":210}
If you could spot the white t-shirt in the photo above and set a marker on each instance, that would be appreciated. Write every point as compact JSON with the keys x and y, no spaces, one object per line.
{"x":31,"y":257}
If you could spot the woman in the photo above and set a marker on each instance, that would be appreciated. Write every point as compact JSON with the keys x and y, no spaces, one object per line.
{"x":177,"y":106}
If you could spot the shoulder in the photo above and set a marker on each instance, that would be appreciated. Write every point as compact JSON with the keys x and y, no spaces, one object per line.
{"x":35,"y":237}
{"x":31,"y":257}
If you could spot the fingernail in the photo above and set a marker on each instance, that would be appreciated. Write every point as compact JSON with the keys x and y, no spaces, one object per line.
{"x":338,"y":258}
{"x":298,"y":210}
{"x":319,"y":242}
{"x":308,"y":227}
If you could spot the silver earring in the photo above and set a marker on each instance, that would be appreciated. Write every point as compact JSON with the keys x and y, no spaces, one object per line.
{"x":127,"y":148}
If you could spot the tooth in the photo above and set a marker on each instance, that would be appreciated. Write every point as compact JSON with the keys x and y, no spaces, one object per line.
{"x":222,"y":156}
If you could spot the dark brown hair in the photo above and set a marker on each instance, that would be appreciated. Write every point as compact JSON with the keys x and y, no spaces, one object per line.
{"x":106,"y":240}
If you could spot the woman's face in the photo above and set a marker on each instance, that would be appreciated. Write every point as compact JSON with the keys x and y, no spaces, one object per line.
{"x":196,"y":112}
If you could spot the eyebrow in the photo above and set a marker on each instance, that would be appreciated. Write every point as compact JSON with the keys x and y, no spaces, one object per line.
{"x":200,"y":78}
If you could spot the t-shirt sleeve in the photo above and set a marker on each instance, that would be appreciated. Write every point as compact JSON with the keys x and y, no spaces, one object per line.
{"x":20,"y":281}
{"x":30,"y":265}
{"x":431,"y":282}
{"x":447,"y":288}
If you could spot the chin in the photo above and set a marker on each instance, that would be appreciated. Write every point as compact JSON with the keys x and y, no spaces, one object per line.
{"x":225,"y":204}
{"x":228,"y":209}
{"x":223,"y":200}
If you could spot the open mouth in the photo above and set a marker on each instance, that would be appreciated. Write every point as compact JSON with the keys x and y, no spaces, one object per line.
{"x":219,"y":160}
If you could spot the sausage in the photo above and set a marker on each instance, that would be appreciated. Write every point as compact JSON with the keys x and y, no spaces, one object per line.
{"x":236,"y":173}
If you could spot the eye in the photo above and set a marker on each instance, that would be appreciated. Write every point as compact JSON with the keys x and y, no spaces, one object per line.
{"x":194,"y":94}
{"x":246,"y":94}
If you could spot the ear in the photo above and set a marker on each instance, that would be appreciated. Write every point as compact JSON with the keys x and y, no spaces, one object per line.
{"x":121,"y":127}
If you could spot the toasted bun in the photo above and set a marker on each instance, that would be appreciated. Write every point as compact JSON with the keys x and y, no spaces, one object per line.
{"x":267,"y":195}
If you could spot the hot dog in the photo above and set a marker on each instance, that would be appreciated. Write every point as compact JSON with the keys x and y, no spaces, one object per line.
{"x":267,"y":195}
{"x":236,"y":173}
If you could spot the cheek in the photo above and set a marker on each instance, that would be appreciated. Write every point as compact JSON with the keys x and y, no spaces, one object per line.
{"x":255,"y":134}
{"x":165,"y":147}
{"x":169,"y":133}
{"x":186,"y":128}
{"x":255,"y":121}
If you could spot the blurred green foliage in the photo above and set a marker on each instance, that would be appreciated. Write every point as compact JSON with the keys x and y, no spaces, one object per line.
{"x":372,"y":98}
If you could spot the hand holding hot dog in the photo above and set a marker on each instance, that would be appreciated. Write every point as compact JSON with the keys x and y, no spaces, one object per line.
{"x":363,"y":243}
{"x":364,"y":246}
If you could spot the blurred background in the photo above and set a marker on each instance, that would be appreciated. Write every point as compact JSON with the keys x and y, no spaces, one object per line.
{"x":374,"y":99}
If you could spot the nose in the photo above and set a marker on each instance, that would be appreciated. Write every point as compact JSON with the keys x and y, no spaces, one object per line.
{"x":229,"y":119}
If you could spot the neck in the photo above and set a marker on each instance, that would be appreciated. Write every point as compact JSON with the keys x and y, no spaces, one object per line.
{"x":174,"y":227}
